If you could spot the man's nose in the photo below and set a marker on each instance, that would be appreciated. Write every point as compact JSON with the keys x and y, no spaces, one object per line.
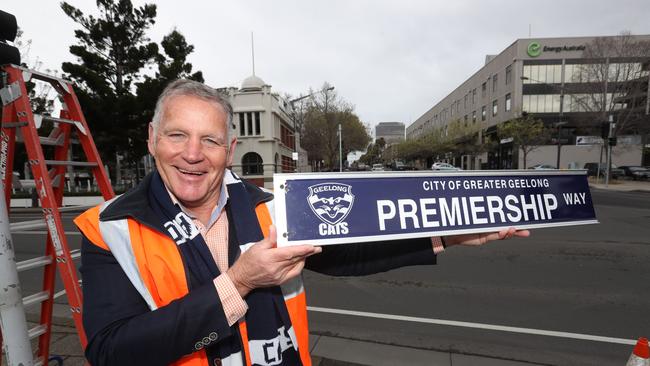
{"x":193,"y":150}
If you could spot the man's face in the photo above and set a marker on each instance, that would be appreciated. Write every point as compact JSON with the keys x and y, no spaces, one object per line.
{"x":191,"y":150}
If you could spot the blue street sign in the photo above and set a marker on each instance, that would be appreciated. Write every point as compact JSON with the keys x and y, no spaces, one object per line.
{"x":325,"y":209}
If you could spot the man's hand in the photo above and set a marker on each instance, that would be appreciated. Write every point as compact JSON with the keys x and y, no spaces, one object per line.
{"x":480,"y":239}
{"x":265,"y":265}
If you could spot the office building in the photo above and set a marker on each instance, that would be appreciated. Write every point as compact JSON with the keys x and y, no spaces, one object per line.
{"x":391,"y":132}
{"x":558,"y":80}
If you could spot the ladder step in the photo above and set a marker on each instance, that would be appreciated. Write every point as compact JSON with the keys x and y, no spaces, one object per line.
{"x":33,"y":263}
{"x":14,"y":124}
{"x":51,"y":141}
{"x":29,"y":224}
{"x":35,"y":298}
{"x":38,"y":262}
{"x":39,"y":118}
{"x":70,"y":163}
{"x":37,"y":331}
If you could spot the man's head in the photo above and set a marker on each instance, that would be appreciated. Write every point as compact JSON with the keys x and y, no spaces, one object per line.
{"x":191,"y":139}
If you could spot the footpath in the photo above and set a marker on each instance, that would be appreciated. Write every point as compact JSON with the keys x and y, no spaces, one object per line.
{"x":326,"y":350}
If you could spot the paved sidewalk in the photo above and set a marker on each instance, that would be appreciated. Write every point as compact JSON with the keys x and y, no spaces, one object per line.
{"x":621,"y":185}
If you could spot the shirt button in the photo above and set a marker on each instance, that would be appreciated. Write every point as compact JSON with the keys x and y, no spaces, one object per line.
{"x":217,"y":362}
{"x":198,"y":346}
{"x":206,"y":341}
{"x":213,"y":336}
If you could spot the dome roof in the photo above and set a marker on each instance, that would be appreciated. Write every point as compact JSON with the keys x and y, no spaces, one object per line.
{"x":252,"y":83}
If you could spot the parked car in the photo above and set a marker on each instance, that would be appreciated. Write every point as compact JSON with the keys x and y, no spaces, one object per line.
{"x":542,"y":167}
{"x":592,"y":170}
{"x":443,"y":166}
{"x":636,"y":172}
{"x":378,"y":168}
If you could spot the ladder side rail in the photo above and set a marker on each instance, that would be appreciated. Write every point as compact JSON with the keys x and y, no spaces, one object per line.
{"x":49,"y":271}
{"x":7,"y":149}
{"x":88,"y":145}
{"x":46,"y":194}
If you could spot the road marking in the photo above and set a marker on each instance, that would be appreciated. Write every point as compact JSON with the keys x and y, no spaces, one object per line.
{"x":454,"y":323}
{"x":40,"y":232}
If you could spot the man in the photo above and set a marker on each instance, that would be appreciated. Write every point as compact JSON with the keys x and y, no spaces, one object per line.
{"x":184,"y":268}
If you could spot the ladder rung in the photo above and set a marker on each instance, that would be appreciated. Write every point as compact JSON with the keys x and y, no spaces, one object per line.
{"x":55,"y":119}
{"x":29,"y":224}
{"x":13,"y":124}
{"x":37,"y":331}
{"x":38,"y":262}
{"x":70,"y":163}
{"x":33,"y":263}
{"x":50,"y":141}
{"x":58,"y":294}
{"x":35,"y":298}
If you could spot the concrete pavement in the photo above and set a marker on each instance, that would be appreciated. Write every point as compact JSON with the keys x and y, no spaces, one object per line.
{"x":622,"y":185}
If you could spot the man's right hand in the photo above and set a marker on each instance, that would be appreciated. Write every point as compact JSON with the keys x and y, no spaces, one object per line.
{"x":265,"y":265}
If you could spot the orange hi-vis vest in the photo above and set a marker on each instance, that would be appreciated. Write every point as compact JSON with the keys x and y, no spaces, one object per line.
{"x":153,"y":264}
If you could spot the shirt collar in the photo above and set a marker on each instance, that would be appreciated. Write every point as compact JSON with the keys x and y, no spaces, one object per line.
{"x":221,"y":203}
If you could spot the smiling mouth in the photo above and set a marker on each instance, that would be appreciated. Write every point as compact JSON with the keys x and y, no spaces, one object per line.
{"x":190,"y":172}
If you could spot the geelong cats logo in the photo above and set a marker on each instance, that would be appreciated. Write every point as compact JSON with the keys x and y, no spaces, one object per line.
{"x":331,"y":202}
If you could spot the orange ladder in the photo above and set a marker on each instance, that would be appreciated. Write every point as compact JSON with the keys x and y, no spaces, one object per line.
{"x":49,"y":179}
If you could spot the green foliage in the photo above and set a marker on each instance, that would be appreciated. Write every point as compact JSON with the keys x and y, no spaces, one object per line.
{"x":527,"y":132}
{"x":325,"y":110}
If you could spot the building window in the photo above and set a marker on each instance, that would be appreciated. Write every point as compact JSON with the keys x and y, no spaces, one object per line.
{"x":242,"y":125}
{"x":494,"y":83}
{"x":474,"y":117}
{"x":252,"y":164}
{"x":508,"y":102}
{"x":256,"y":115}
{"x":495,"y":107}
{"x":287,"y":137}
{"x":288,"y":164}
{"x":465,"y":120}
{"x":483,"y":113}
{"x":483,"y":89}
{"x":508,"y":74}
{"x":452,"y":110}
{"x":465,"y":105}
{"x":473,"y":96}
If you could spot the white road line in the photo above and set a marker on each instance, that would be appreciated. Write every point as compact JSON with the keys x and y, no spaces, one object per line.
{"x":454,"y":323}
{"x":41,"y":232}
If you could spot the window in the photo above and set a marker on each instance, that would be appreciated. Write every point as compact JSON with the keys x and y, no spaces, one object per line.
{"x":483,"y":113}
{"x":288,"y":164}
{"x":249,"y":124}
{"x":256,"y":115}
{"x":465,"y":120}
{"x":508,"y":102}
{"x":252,"y":164}
{"x":494,"y":83}
{"x":483,"y":89}
{"x":473,"y":96}
{"x":242,"y":124}
{"x":495,"y":107}
{"x":287,"y":137}
{"x":474,"y":117}
{"x":508,"y":74}
{"x":465,"y":105}
{"x":452,"y":110}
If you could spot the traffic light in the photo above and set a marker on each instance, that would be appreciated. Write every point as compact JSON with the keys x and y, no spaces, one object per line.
{"x":8,"y":31}
{"x":604,"y":130}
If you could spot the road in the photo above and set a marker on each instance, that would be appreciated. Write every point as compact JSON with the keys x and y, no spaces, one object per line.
{"x":588,"y":280}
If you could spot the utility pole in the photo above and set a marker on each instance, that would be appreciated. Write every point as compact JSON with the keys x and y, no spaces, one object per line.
{"x":340,"y":151}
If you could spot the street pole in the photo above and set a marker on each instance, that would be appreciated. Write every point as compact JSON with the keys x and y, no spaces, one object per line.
{"x":559,"y":127}
{"x":340,"y":151}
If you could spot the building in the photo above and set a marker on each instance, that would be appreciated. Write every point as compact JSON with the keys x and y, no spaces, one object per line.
{"x":267,"y":141}
{"x":391,"y":132}
{"x":556,"y":80}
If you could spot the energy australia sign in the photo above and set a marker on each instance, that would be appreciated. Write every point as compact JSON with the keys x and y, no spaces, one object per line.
{"x":323,"y":209}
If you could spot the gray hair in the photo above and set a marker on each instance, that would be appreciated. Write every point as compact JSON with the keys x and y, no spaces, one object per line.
{"x":184,"y":87}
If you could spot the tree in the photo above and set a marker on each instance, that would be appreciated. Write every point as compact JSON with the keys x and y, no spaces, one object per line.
{"x":325,"y":110}
{"x":172,"y":65}
{"x":617,"y":83}
{"x":112,"y":51}
{"x":526,"y":132}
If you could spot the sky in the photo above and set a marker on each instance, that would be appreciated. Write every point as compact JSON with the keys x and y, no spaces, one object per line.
{"x":393,"y":60}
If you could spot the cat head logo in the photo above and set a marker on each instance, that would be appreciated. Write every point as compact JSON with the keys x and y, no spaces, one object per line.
{"x":331,"y":202}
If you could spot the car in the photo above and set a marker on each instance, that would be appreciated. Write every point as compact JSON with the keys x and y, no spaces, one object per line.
{"x":592,"y":170}
{"x":636,"y":172}
{"x":542,"y":167}
{"x":378,"y":168}
{"x":444,"y":166}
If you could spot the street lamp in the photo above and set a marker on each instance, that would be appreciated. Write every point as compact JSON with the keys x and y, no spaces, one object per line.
{"x":560,"y":121}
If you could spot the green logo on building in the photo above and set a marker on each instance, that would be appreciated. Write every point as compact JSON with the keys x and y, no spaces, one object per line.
{"x":534,"y":49}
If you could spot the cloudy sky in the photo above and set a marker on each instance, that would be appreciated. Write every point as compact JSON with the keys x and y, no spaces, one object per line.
{"x":391,"y":59}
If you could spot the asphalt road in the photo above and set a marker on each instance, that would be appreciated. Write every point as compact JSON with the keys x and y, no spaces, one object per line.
{"x":588,"y":280}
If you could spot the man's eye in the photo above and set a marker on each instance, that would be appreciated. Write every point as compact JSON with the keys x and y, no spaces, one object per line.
{"x":211,"y":142}
{"x":176,"y":136}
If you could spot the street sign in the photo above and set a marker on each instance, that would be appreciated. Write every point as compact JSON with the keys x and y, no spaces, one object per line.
{"x":588,"y":140}
{"x":323,"y":209}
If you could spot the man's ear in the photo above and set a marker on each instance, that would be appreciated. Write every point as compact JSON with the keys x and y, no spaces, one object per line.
{"x":151,"y":142}
{"x":231,"y":151}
